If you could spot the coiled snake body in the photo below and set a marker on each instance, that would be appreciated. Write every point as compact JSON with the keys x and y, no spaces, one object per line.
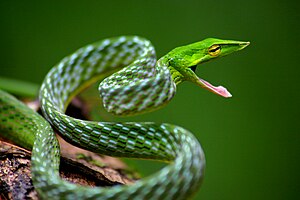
{"x":142,"y":85}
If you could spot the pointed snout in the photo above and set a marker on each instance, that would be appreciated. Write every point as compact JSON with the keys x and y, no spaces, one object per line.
{"x":243,"y":45}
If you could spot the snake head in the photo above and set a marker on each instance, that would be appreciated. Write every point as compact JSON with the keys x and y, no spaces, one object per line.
{"x":184,"y":60}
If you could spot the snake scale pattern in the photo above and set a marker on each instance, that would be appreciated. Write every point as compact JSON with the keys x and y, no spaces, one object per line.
{"x":133,"y":82}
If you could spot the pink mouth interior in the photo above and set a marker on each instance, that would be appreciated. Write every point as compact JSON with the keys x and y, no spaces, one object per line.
{"x":220,"y":90}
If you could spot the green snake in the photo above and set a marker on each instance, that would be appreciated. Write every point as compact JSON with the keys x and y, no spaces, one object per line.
{"x":133,"y":82}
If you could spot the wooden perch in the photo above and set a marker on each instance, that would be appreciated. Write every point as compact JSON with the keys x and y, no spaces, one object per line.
{"x":77,"y":166}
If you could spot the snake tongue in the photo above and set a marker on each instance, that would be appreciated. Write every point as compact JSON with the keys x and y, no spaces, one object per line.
{"x":220,"y":90}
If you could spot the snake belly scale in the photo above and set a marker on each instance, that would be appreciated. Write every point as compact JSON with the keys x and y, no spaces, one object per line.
{"x":138,"y":84}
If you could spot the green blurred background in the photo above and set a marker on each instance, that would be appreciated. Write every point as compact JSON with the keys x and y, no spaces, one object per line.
{"x":251,"y":141}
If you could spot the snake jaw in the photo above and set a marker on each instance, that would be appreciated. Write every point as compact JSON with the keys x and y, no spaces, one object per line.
{"x":219,"y":90}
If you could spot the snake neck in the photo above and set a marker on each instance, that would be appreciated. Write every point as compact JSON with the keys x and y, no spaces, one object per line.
{"x":177,"y":77}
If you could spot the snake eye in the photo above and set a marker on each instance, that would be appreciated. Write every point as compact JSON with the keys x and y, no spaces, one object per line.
{"x":214,"y":50}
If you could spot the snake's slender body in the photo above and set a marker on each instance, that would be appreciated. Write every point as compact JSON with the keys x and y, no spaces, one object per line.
{"x":142,"y":85}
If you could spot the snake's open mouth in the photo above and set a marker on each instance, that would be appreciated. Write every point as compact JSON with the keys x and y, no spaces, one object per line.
{"x":220,"y":90}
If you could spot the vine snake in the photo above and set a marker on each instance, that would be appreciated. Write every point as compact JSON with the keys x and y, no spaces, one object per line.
{"x":141,"y":85}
